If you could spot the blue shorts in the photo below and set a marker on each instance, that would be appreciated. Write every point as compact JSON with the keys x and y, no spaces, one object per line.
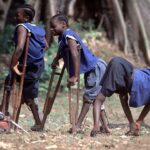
{"x":31,"y":81}
{"x":92,"y":81}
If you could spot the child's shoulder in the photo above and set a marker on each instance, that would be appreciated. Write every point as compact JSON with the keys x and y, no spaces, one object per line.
{"x":69,"y":31}
{"x":23,"y":25}
{"x":33,"y":28}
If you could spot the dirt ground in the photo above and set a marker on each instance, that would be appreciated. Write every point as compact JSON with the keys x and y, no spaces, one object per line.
{"x":56,"y":136}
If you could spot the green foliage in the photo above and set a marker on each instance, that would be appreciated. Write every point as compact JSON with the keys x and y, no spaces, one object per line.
{"x":6,"y":43}
{"x":49,"y":56}
{"x":84,"y":27}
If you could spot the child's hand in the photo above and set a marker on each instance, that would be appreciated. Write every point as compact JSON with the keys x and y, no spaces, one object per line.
{"x":16,"y":70}
{"x":72,"y":81}
{"x":55,"y":63}
{"x":132,"y":126}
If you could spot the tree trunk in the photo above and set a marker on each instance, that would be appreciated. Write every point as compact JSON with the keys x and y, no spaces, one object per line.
{"x":126,"y":22}
{"x":4,"y":7}
{"x":121,"y":26}
{"x":38,"y":7}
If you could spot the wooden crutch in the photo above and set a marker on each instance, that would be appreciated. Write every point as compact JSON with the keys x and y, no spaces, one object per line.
{"x":73,"y":109}
{"x":18,"y":99}
{"x":50,"y":98}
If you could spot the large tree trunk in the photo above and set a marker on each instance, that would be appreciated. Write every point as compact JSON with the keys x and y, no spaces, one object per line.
{"x":126,"y":22}
{"x":4,"y":7}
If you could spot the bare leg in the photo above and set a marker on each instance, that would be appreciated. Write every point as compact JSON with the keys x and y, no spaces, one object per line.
{"x":96,"y":113}
{"x":34,"y":110}
{"x":143,"y":114}
{"x":127,"y":111}
{"x":6,"y":95}
{"x":5,"y":102}
{"x":139,"y":121}
{"x":104,"y":122}
{"x":84,"y":110}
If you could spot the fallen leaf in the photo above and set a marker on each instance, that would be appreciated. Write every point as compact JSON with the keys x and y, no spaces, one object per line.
{"x":51,"y":147}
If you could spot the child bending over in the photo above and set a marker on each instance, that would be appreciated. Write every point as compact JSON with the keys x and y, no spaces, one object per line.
{"x":120,"y":77}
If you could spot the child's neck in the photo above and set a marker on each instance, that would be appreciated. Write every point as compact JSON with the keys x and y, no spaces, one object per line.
{"x":64,"y":30}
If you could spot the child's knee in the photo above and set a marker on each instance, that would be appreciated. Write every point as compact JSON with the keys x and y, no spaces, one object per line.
{"x":102,"y":108}
{"x":30,"y":102}
{"x":101,"y":98}
{"x":86,"y":99}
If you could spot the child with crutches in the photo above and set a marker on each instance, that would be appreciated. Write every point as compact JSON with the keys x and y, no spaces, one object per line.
{"x":92,"y":67}
{"x":132,"y":85}
{"x":35,"y":59}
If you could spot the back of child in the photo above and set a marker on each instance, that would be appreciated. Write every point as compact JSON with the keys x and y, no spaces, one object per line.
{"x":122,"y":78}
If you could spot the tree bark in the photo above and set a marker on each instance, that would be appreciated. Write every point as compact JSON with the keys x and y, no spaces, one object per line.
{"x":38,"y":7}
{"x":126,"y":22}
{"x":122,"y":25}
{"x":4,"y":7}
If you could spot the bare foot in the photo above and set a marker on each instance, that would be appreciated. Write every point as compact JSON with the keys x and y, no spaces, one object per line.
{"x":104,"y":129}
{"x":95,"y":132}
{"x":75,"y":130}
{"x":134,"y":131}
{"x":137,"y":129}
{"x":129,"y":133}
{"x":36,"y":128}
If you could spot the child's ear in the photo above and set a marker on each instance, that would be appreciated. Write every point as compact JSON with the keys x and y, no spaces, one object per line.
{"x":27,"y":18}
{"x":64,"y":24}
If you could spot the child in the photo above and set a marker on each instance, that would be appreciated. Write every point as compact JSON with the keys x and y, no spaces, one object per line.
{"x":91,"y":66}
{"x":121,"y":78}
{"x":35,"y":58}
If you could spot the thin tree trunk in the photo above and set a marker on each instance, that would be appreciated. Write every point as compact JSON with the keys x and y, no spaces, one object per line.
{"x":4,"y":7}
{"x":122,"y":24}
{"x":47,"y":17}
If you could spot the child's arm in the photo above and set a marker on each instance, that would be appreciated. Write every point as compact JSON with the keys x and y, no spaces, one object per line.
{"x":56,"y":59}
{"x":21,"y":39}
{"x":127,"y":111}
{"x":46,"y":45}
{"x":75,"y":58}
